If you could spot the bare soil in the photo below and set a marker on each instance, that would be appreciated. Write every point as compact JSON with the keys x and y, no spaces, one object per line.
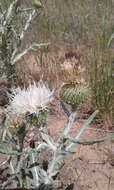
{"x":92,"y":166}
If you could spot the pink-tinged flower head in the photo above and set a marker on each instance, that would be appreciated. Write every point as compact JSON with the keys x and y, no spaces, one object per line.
{"x":32,"y":99}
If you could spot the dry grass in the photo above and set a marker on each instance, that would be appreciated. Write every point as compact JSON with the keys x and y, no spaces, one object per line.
{"x":84,"y":27}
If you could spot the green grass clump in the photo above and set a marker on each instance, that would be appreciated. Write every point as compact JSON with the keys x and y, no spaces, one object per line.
{"x":102,"y":81}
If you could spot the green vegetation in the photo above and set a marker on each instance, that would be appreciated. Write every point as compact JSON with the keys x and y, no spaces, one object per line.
{"x":69,"y":25}
{"x":90,"y":23}
{"x":102,"y":81}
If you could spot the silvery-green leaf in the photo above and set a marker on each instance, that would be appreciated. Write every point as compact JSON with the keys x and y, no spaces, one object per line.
{"x":3,"y":147}
{"x":82,"y":128}
{"x":50,"y":143}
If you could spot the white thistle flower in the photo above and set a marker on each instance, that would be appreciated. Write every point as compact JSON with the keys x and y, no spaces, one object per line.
{"x":32,"y":99}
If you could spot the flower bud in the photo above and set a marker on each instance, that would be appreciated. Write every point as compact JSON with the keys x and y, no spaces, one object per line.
{"x":37,"y":4}
{"x":74,"y":94}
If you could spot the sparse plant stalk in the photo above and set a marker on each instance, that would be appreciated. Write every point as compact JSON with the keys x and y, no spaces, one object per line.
{"x":14,"y":23}
{"x":34,"y":175}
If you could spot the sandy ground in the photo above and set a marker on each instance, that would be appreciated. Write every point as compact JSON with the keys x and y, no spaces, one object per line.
{"x":92,"y":166}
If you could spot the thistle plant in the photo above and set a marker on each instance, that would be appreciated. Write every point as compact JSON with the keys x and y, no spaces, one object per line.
{"x":29,"y":105}
{"x":74,"y":90}
{"x":31,"y":99}
{"x":28,"y":171}
{"x":14,"y":23}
